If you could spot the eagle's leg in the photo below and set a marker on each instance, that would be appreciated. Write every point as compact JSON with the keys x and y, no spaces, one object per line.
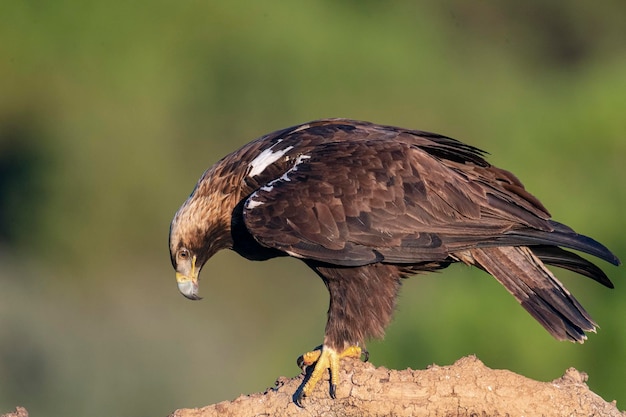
{"x":362,"y":300}
{"x":325,"y":357}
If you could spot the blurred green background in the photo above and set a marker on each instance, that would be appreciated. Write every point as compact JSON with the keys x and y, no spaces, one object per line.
{"x":110,"y":111}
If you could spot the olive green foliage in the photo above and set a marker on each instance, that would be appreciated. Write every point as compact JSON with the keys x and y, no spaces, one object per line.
{"x":110,"y":111}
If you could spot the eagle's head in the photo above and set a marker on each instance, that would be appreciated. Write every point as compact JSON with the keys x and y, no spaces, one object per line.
{"x":197,"y":232}
{"x":187,"y":241}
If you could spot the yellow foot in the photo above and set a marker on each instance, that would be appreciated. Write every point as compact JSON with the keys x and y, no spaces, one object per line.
{"x":324,"y":358}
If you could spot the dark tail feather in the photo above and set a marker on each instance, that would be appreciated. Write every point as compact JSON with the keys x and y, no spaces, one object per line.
{"x":560,"y":236}
{"x":553,"y":255}
{"x":537,"y":289}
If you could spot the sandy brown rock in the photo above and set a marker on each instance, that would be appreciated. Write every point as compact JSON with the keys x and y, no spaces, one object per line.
{"x":466,"y":388}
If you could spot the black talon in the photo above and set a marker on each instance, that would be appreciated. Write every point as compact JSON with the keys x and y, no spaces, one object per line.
{"x":298,"y":399}
{"x":333,"y":391}
{"x":366,"y":355}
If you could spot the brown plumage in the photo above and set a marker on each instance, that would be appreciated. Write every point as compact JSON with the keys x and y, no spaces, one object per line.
{"x":366,"y":205}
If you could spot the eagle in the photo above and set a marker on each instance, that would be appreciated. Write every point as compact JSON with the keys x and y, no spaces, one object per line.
{"x":367,"y":205}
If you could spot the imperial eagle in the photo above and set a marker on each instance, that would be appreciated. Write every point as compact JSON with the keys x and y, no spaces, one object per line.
{"x":364,"y":206}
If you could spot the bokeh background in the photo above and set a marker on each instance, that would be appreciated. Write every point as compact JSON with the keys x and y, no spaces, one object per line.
{"x":110,"y":111}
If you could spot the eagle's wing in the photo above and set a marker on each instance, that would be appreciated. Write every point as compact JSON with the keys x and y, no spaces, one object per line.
{"x":354,"y":203}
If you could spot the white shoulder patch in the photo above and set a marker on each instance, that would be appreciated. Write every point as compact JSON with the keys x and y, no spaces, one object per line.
{"x":265,"y":159}
{"x":253,"y":203}
{"x":262,"y":162}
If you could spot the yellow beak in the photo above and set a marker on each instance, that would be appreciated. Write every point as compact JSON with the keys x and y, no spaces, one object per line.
{"x":188,"y":285}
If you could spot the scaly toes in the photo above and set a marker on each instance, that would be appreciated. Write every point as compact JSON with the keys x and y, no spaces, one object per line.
{"x":324,"y":358}
{"x":309,"y":358}
{"x":353,"y":352}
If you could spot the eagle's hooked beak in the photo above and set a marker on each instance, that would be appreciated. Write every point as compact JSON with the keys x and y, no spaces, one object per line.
{"x":188,"y":285}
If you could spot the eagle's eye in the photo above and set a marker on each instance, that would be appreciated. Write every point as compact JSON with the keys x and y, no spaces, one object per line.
{"x":183,"y":254}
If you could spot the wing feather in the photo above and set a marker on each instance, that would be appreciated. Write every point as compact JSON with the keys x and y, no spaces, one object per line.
{"x":375,"y":200}
{"x":353,"y":193}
